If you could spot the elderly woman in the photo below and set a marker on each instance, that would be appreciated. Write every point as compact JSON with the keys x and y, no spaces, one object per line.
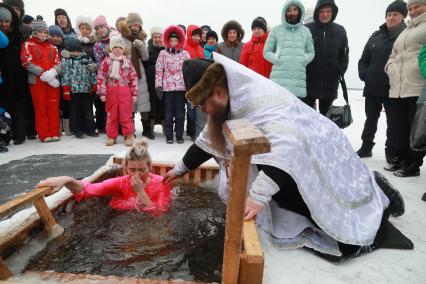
{"x":406,"y":84}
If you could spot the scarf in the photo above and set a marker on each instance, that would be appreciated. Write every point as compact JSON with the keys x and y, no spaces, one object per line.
{"x":115,"y":70}
{"x":134,"y":56}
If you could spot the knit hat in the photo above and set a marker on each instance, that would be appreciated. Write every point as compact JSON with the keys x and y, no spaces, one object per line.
{"x":259,"y":22}
{"x":411,"y":2}
{"x":134,"y":18}
{"x":39,"y":17}
{"x":397,"y":6}
{"x":116,"y":41}
{"x":73,"y":44}
{"x":156,"y":30}
{"x":39,"y":25}
{"x":27,"y":19}
{"x":5,"y":14}
{"x":206,"y":27}
{"x":16,"y":3}
{"x":173,"y":35}
{"x":56,"y":30}
{"x":212,"y":33}
{"x":193,"y":71}
{"x":100,"y":21}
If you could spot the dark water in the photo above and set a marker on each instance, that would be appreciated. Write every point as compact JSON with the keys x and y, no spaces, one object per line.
{"x":20,"y":176}
{"x":186,"y":243}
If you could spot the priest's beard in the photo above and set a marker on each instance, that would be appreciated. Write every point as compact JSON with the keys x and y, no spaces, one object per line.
{"x":215,"y":126}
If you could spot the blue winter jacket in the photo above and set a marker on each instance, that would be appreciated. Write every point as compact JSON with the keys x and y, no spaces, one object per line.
{"x":4,"y":40}
{"x":290,"y":49}
{"x":76,"y":74}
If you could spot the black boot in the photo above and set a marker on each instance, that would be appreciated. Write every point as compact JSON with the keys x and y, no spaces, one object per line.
{"x":146,"y":131}
{"x":408,"y":170}
{"x":396,"y":165}
{"x":396,"y":205}
{"x":365,"y":150}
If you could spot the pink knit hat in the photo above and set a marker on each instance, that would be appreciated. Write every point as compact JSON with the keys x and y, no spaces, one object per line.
{"x":100,"y":21}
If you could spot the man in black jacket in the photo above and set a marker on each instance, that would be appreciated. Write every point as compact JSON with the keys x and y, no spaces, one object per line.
{"x":331,"y":56}
{"x":371,"y":71}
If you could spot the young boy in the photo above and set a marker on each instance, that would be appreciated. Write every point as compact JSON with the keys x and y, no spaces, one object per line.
{"x":79,"y":84}
{"x":41,"y":59}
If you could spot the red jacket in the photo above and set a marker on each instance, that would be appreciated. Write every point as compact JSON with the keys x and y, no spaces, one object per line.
{"x":38,"y":57}
{"x":252,"y":56}
{"x":194,"y":48}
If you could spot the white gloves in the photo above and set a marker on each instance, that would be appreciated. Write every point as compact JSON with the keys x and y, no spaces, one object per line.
{"x":49,"y":75}
{"x":92,"y":67}
{"x":65,"y":53}
{"x":138,"y":43}
{"x":54,"y":83}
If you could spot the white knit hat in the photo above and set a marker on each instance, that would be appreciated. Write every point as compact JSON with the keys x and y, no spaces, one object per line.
{"x":411,"y":2}
{"x":116,"y":41}
{"x":156,"y":30}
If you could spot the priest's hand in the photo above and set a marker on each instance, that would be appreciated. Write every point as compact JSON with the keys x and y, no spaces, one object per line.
{"x":252,"y":209}
{"x":169,"y":177}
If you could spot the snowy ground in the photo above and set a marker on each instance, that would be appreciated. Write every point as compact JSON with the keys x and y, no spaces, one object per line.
{"x":299,"y":266}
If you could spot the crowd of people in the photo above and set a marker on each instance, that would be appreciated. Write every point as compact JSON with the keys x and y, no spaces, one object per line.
{"x":94,"y":78}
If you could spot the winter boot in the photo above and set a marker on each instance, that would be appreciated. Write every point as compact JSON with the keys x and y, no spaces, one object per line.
{"x":396,"y":205}
{"x":129,"y":140}
{"x":365,"y":150}
{"x":408,"y":170}
{"x":66,"y":126}
{"x":110,"y":141}
{"x":146,"y":131}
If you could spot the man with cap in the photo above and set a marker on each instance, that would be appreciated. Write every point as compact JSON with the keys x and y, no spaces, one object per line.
{"x":135,"y":39}
{"x":406,"y":85}
{"x":331,"y":56}
{"x":14,"y":92}
{"x":371,"y":69}
{"x":42,"y":61}
{"x":297,"y":196}
{"x":252,"y":53}
{"x":63,"y":20}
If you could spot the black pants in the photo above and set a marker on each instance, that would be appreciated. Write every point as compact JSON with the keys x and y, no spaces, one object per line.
{"x":100,"y":114}
{"x":174,"y":107}
{"x":82,"y":119}
{"x":403,"y":112}
{"x":17,"y":108}
{"x":373,"y":108}
{"x":324,"y":104}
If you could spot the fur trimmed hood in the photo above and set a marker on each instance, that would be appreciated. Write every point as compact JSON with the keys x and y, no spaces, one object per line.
{"x":124,"y":29}
{"x":232,"y":25}
{"x":177,"y":30}
{"x":85,"y":20}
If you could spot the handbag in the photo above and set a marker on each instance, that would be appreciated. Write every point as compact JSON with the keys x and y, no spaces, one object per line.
{"x":418,"y":129}
{"x":341,"y":115}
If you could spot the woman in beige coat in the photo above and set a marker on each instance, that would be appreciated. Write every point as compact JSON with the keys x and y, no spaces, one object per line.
{"x":405,"y":87}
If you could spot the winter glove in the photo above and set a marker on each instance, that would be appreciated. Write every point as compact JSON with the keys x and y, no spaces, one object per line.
{"x":93,"y":89}
{"x":134,"y":99}
{"x":138,"y":43}
{"x":48,"y":75}
{"x":65,"y":54}
{"x":159,"y":92}
{"x":83,"y":40}
{"x":67,"y":93}
{"x":92,"y":67}
{"x":103,"y":98}
{"x":54,"y":83}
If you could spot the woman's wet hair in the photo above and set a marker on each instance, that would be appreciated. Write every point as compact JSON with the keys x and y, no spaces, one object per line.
{"x":139,"y":152}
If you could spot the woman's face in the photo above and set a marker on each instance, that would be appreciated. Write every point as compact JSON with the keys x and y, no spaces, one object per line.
{"x":416,"y":10}
{"x":5,"y":26}
{"x":55,"y":39}
{"x":258,"y":32}
{"x":85,"y":30}
{"x":138,"y":168}
{"x":101,"y":31}
{"x":211,"y":41}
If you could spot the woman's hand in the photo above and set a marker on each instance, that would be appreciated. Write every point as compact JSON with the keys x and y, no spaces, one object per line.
{"x":252,"y":209}
{"x":55,"y":182}
{"x":139,"y":188}
{"x":169,"y":177}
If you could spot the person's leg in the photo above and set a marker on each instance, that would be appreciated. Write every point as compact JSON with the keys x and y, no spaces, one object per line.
{"x":397,"y":113}
{"x":38,"y":93}
{"x":179,"y":109}
{"x":190,"y":120}
{"x":75,"y":115}
{"x":324,"y":105}
{"x":125,"y":111}
{"x":87,"y":114}
{"x":391,"y":139}
{"x":100,"y":113}
{"x":29,"y":117}
{"x":373,"y":107}
{"x":168,"y":115}
{"x":53,"y":111}
{"x":146,"y":125}
{"x":111,"y":107}
{"x":17,"y":112}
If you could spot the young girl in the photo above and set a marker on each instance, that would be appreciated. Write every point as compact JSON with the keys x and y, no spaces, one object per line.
{"x":41,"y":59}
{"x":211,"y":44}
{"x":138,"y":189}
{"x":169,"y":79}
{"x":118,"y":88}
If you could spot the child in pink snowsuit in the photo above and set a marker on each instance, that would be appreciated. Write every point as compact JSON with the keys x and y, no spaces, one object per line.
{"x":139,"y":189}
{"x":117,"y":87}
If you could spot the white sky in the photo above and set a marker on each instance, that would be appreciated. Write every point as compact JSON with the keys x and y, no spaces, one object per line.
{"x":360,"y":17}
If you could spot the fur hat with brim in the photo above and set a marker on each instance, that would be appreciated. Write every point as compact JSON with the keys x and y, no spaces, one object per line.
{"x":156,"y":30}
{"x":411,"y":2}
{"x":84,"y":20}
{"x":201,"y":76}
{"x":16,"y":3}
{"x":232,"y":25}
